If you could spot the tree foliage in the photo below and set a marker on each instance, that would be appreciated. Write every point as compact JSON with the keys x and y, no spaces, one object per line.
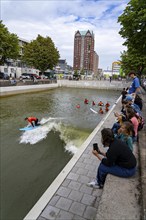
{"x":133,"y":30}
{"x":41,"y":53}
{"x":9,"y":45}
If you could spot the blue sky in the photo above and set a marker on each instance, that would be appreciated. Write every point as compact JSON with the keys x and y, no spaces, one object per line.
{"x":60,"y":19}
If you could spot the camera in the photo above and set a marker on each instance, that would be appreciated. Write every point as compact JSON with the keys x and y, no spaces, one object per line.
{"x":95,"y":147}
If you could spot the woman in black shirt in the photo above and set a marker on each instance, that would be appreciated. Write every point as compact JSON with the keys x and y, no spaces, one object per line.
{"x":118,"y":160}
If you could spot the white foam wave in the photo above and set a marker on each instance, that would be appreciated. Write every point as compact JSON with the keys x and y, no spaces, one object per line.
{"x":36,"y":135}
{"x":70,"y":147}
{"x":40,"y":133}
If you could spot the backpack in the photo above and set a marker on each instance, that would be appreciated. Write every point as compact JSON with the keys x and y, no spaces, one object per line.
{"x":138,"y":101}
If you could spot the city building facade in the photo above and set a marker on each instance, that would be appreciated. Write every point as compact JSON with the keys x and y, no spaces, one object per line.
{"x":14,"y":68}
{"x":61,"y":66}
{"x":84,"y":52}
{"x":95,"y":63}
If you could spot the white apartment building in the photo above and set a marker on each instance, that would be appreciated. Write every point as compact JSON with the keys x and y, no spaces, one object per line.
{"x":16,"y":68}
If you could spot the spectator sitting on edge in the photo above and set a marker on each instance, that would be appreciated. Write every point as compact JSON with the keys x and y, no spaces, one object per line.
{"x":118,"y":160}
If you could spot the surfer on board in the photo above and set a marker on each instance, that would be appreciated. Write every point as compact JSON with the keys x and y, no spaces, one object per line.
{"x":33,"y":121}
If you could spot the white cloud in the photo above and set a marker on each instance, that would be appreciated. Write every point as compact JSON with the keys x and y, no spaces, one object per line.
{"x":60,"y":19}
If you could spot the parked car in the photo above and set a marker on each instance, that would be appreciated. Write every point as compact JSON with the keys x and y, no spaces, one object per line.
{"x":4,"y":76}
{"x":33,"y":75}
{"x":25,"y":76}
{"x":44,"y":77}
{"x":36,"y":76}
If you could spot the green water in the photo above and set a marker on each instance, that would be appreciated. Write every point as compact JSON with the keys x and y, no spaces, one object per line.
{"x":31,"y":161}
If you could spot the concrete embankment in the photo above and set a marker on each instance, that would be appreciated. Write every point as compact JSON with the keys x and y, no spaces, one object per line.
{"x":13,"y":90}
{"x":94,"y":84}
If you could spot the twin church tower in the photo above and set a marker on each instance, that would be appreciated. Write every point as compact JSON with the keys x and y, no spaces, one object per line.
{"x":86,"y":59}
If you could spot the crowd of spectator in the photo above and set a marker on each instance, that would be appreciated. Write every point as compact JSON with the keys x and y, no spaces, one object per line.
{"x":119,"y":160}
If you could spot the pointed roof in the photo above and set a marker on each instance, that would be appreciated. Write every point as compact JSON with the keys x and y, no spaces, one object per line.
{"x":83,"y":33}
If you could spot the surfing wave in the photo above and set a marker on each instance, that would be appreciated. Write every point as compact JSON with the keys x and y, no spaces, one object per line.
{"x":72,"y":137}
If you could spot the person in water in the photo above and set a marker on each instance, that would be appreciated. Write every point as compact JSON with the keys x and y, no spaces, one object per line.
{"x":107,"y":104}
{"x":33,"y":121}
{"x":93,"y":103}
{"x":86,"y":101}
{"x":106,"y":109}
{"x":100,"y":111}
{"x":78,"y":106}
{"x":100,"y":103}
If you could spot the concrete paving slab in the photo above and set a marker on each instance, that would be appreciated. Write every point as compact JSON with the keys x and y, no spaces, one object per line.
{"x":119,"y":199}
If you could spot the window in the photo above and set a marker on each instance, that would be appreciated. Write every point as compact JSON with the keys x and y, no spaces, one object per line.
{"x":5,"y":70}
{"x":12,"y":70}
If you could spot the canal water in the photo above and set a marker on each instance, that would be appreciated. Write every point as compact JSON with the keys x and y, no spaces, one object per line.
{"x":31,"y":160}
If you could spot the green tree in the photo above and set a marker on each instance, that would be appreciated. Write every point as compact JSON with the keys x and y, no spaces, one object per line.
{"x":133,"y":61}
{"x":9,"y":45}
{"x":41,"y":54}
{"x":76,"y":73}
{"x":82,"y":71}
{"x":133,"y":22}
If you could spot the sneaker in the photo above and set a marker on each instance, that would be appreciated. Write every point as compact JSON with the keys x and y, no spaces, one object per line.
{"x":94,"y":184}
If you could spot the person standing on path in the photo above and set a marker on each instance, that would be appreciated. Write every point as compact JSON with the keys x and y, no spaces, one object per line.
{"x":135,"y":86}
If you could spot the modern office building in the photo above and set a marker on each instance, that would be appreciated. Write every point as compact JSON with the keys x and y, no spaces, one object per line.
{"x":84,"y":52}
{"x":61,"y":66}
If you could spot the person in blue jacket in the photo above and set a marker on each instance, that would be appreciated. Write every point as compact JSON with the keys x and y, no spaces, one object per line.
{"x":135,"y":86}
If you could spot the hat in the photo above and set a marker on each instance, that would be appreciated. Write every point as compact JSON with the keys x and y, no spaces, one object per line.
{"x":131,"y":72}
{"x":128,"y":98}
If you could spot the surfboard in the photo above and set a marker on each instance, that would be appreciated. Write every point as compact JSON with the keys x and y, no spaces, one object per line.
{"x":93,"y":110}
{"x":29,"y":128}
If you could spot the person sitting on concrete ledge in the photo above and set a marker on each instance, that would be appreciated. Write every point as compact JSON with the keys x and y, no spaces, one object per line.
{"x":125,"y":133}
{"x":132,"y":117}
{"x":118,"y":160}
{"x":120,"y":118}
{"x":129,"y":101}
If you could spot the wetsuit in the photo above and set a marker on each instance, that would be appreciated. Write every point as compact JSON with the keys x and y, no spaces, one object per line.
{"x":33,"y":119}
